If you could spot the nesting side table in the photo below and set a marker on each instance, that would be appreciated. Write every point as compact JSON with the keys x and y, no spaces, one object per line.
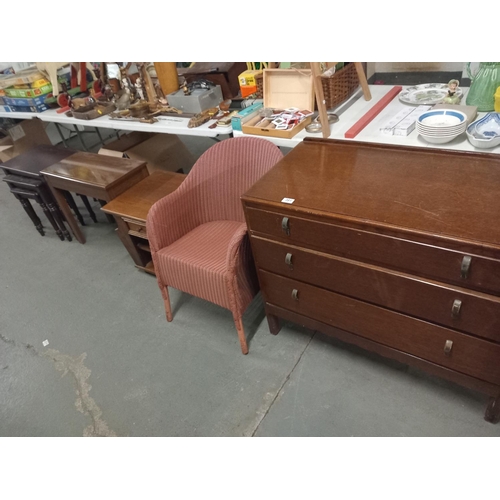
{"x":130,"y":210}
{"x":94,"y":175}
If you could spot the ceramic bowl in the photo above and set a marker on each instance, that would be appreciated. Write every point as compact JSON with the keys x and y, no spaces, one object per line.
{"x":442,"y":118}
{"x":441,"y":133}
{"x":485,"y":132}
{"x":438,"y":140}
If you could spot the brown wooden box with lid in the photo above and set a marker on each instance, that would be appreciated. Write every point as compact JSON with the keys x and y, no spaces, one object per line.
{"x":395,"y":249}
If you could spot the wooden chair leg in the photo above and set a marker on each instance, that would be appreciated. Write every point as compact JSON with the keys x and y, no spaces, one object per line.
{"x":166,"y":300}
{"x":241,"y":335}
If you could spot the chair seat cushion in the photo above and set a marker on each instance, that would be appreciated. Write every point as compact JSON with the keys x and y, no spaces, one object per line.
{"x":197,"y":262}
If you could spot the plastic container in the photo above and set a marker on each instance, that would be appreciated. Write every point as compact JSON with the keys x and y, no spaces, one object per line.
{"x":497,"y":100}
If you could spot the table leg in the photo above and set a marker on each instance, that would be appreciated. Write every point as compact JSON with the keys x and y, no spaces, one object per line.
{"x":61,"y":134}
{"x":51,"y":219}
{"x":88,"y":207}
{"x":54,"y":210}
{"x":99,"y":135}
{"x":109,"y":217}
{"x":32,"y":214}
{"x":80,"y":137}
{"x":68,"y":215}
{"x":72,"y":204}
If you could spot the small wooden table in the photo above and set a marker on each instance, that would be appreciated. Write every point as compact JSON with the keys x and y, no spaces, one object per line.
{"x":131,"y":208}
{"x":90,"y":174}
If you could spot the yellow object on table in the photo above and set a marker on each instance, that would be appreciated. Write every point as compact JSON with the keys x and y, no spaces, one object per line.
{"x":497,"y":100}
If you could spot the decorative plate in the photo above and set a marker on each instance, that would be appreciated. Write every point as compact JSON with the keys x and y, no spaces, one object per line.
{"x":426,"y":93}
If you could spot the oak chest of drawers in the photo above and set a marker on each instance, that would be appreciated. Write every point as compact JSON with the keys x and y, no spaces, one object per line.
{"x":394,"y":249}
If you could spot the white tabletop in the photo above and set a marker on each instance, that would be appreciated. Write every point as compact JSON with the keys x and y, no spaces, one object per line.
{"x":164,"y":125}
{"x":356,"y":107}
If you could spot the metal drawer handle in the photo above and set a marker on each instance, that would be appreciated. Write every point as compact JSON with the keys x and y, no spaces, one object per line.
{"x":464,"y":270}
{"x":285,"y":226}
{"x":455,"y":308}
{"x":295,"y":294}
{"x":447,"y":347}
{"x":288,"y":260}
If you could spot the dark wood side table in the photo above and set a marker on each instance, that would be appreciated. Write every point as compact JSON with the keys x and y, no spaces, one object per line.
{"x":94,"y":175}
{"x":131,"y":208}
{"x":26,"y":188}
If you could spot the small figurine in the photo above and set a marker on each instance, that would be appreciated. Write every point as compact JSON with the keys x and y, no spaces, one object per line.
{"x":125,"y":83}
{"x":123,"y":99}
{"x":108,"y":92}
{"x":452,"y":97}
{"x":138,"y":86}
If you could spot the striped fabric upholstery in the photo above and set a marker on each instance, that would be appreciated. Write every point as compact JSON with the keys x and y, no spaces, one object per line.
{"x":198,"y":235}
{"x":197,"y":262}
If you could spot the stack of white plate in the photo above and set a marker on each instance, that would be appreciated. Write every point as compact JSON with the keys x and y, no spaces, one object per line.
{"x":441,"y":125}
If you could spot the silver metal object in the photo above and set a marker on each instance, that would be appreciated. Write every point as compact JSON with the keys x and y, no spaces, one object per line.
{"x":288,"y":260}
{"x":455,"y":308}
{"x":448,"y":345}
{"x":465,"y":268}
{"x":295,"y":294}
{"x":285,"y":226}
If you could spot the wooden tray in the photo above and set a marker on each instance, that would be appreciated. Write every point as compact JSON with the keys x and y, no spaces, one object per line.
{"x":97,"y":112}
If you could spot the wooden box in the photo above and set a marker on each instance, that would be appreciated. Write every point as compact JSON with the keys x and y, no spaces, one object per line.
{"x":224,"y":74}
{"x":284,"y":88}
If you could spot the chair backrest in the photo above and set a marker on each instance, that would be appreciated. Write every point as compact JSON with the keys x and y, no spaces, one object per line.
{"x":224,"y":173}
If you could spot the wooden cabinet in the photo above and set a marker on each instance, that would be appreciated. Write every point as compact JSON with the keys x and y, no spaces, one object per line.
{"x":395,"y":249}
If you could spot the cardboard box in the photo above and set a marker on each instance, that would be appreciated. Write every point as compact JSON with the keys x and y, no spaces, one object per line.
{"x":285,"y":88}
{"x":249,"y":77}
{"x":246,"y":114}
{"x":30,"y":109}
{"x":388,"y":127}
{"x":5,"y":109}
{"x":26,"y":76}
{"x":22,"y":137}
{"x":247,"y":90}
{"x":21,"y":101}
{"x":160,"y":151}
{"x":29,"y":93}
{"x":34,"y":85}
{"x":407,"y":125}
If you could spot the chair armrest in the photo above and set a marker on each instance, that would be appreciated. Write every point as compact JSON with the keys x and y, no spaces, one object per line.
{"x":241,"y":276}
{"x":169,"y":219}
{"x":237,"y":250}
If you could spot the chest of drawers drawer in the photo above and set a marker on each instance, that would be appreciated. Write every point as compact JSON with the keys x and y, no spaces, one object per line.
{"x":449,"y":348}
{"x":442,"y":264}
{"x":458,"y":308}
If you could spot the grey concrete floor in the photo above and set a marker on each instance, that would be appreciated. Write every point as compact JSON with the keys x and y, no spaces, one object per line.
{"x":114,"y":366}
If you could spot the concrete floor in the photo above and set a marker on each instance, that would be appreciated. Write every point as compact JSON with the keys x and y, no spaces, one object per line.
{"x":115,"y":367}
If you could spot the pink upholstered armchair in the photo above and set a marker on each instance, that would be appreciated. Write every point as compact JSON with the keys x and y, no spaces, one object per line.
{"x":198,"y":235}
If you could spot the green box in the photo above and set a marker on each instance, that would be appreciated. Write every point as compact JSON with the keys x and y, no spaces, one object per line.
{"x":29,"y":93}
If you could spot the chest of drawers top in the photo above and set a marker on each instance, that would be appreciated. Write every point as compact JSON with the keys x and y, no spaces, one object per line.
{"x":385,"y":188}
